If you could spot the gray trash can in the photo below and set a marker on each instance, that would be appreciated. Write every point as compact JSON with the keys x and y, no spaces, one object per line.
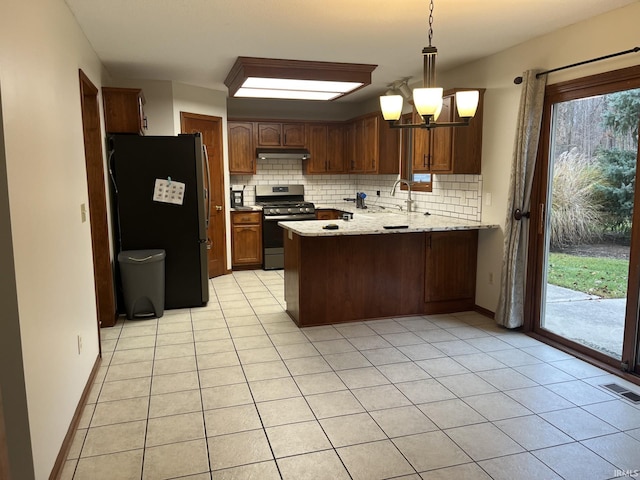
{"x":142,"y":275}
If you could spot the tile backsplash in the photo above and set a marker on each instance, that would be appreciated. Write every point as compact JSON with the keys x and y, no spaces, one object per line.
{"x":458,"y":196}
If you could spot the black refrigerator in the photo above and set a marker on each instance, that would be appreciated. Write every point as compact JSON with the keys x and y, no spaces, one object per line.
{"x":160,"y":202}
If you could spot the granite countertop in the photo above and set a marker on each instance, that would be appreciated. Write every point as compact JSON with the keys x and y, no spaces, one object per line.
{"x":373,"y":222}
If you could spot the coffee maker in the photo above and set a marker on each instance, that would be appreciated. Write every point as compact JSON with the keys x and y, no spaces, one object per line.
{"x":237,"y":196}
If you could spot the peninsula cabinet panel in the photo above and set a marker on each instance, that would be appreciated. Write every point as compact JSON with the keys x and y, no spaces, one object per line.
{"x":242,"y":153}
{"x":450,"y":271}
{"x":246,"y":236}
{"x":353,"y":277}
{"x":123,"y":110}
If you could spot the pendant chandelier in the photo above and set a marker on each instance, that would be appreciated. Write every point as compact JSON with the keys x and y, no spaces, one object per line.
{"x":428,"y":100}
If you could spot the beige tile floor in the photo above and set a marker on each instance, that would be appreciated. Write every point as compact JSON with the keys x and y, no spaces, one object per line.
{"x":236,"y":391}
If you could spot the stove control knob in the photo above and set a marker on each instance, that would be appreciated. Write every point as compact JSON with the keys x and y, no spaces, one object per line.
{"x":289,"y":210}
{"x":277,"y":210}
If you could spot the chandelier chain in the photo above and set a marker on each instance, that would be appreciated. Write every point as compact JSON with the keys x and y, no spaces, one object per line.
{"x":430,"y":21}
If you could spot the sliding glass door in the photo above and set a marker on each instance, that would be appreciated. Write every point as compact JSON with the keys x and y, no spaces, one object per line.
{"x":584,"y":268}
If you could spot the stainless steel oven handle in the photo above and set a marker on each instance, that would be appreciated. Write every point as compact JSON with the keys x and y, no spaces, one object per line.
{"x":288,"y":218}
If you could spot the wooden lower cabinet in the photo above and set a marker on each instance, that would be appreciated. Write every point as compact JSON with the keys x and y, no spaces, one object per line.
{"x":450,"y":266}
{"x":328,"y":214}
{"x":246,"y":239}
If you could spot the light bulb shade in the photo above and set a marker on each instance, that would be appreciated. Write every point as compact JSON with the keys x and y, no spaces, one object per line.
{"x":391,"y":106}
{"x":438,"y":112}
{"x":467,"y":103}
{"x":427,"y":100}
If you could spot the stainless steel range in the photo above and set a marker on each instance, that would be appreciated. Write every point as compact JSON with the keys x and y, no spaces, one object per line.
{"x":280,"y":203}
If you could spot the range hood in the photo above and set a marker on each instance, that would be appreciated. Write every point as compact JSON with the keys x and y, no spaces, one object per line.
{"x":273,"y":153}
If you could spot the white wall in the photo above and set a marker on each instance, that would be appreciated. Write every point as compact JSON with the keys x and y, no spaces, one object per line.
{"x":41,"y":50}
{"x":609,"y":33}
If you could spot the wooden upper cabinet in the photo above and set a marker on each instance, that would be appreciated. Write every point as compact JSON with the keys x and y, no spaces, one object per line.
{"x":123,"y":110}
{"x":273,"y":134}
{"x":372,"y":146}
{"x":326,"y":146}
{"x":317,"y":145}
{"x":449,"y":149}
{"x":335,"y":149}
{"x":367,"y":144}
{"x":242,"y":153}
{"x":293,"y":135}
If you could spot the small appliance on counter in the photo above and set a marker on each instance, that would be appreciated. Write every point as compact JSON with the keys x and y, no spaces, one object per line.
{"x":360,"y":196}
{"x":237,"y":196}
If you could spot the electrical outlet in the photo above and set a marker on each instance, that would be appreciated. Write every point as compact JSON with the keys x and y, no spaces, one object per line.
{"x":83,"y":212}
{"x":79,"y":344}
{"x":487,"y":199}
{"x":490,"y":278}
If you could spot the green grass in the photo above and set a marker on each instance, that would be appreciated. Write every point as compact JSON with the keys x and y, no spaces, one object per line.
{"x":605,"y":277}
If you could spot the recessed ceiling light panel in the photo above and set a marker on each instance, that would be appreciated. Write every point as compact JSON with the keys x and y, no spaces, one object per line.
{"x":295,"y":79}
{"x":287,"y":94}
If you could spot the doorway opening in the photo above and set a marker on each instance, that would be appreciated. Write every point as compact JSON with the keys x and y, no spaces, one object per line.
{"x":583,"y":259}
{"x":211,"y":129}
{"x":102,"y":269}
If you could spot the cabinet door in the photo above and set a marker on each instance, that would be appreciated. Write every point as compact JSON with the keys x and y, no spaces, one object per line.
{"x":247,"y":245}
{"x":370,"y":144}
{"x":450,"y":269}
{"x":441,"y":145}
{"x":242,"y":155}
{"x":335,"y":149}
{"x":293,"y":135}
{"x":327,"y":214}
{"x":269,"y":134}
{"x":421,"y":147}
{"x":350,"y":147}
{"x":317,"y":144}
{"x":123,"y":110}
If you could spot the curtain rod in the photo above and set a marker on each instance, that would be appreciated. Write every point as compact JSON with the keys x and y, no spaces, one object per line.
{"x":518,"y":80}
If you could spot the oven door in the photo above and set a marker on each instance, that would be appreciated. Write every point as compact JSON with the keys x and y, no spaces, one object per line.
{"x":273,"y":239}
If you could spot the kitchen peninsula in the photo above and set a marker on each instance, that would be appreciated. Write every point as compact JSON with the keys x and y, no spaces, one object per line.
{"x":379,"y":265}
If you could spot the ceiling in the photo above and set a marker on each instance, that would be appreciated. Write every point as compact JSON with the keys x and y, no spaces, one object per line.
{"x":197,"y":41}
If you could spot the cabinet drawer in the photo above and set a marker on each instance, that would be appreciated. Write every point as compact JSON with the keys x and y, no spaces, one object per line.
{"x":243,"y":218}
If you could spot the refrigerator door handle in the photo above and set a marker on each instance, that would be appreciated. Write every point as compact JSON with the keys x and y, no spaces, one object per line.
{"x":208,"y":189}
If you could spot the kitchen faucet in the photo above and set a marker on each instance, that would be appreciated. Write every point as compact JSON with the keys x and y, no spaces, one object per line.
{"x":408,"y":184}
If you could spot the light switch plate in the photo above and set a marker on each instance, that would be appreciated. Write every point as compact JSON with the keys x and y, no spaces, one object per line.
{"x":83,"y":212}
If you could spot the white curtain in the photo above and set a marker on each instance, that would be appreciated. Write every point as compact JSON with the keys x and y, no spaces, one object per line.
{"x":510,"y":311}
